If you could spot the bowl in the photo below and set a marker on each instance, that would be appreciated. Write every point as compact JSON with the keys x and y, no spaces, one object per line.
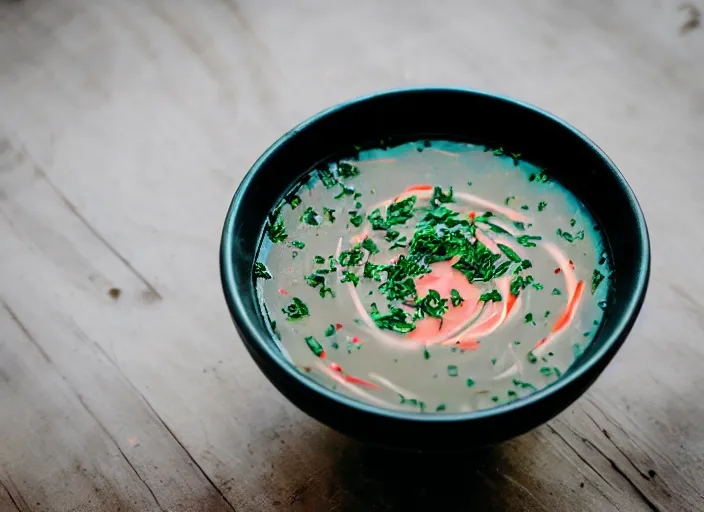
{"x":451,"y":114}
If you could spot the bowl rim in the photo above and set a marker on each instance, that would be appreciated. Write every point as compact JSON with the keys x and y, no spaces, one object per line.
{"x":249,"y":330}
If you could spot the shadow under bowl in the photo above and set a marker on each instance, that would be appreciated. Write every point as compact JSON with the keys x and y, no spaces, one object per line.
{"x":450,"y":114}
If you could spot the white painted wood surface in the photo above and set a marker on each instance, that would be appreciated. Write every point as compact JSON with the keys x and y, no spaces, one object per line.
{"x":125,"y":128}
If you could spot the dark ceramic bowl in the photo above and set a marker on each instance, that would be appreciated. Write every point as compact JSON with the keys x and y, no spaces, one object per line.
{"x":451,"y":114}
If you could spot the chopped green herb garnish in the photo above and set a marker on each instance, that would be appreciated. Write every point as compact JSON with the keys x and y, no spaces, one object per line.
{"x":572,"y":222}
{"x":493,"y":296}
{"x":455,"y":298}
{"x":597,"y":278}
{"x":519,"y":225}
{"x":426,"y":354}
{"x":335,"y":345}
{"x":538,"y":286}
{"x":452,"y":370}
{"x":512,"y":395}
{"x":557,"y":371}
{"x":349,"y":277}
{"x":531,"y":357}
{"x":314,"y":346}
{"x":516,"y":342}
{"x":276,"y":230}
{"x":356,"y":219}
{"x":470,"y":383}
{"x":345,"y":191}
{"x":351,"y":258}
{"x":311,"y":217}
{"x":494,"y":398}
{"x":493,"y":360}
{"x":555,"y":291}
{"x":577,"y":350}
{"x":298,"y":244}
{"x":524,"y":385}
{"x":396,"y":214}
{"x":469,"y":183}
{"x":579,"y":235}
{"x":441,"y":197}
{"x":547,"y":371}
{"x":260,"y":270}
{"x":547,"y":314}
{"x":330,"y":330}
{"x":508,"y":200}
{"x":541,"y":177}
{"x":369,"y":245}
{"x":527,"y":240}
{"x":510,"y":253}
{"x":432,"y":305}
{"x":395,"y":320}
{"x":293,"y":199}
{"x":524,"y":207}
{"x":327,"y":178}
{"x":296,"y":310}
{"x":317,"y":279}
{"x":529,"y":319}
{"x":440,"y":407}
{"x":586,"y":334}
{"x":346,"y":170}
{"x":357,"y":205}
{"x":320,"y":260}
{"x":519,"y":283}
{"x":542,"y":205}
{"x":329,"y":214}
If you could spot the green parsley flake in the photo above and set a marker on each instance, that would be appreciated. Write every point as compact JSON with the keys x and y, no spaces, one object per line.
{"x":440,"y":408}
{"x":276,"y":229}
{"x":395,"y":320}
{"x":579,"y":235}
{"x":330,"y":330}
{"x":555,"y":291}
{"x":493,"y":296}
{"x":369,"y":245}
{"x":542,"y":205}
{"x":346,"y":170}
{"x":527,"y":240}
{"x":426,"y":354}
{"x":356,"y":219}
{"x":597,"y":278}
{"x":349,"y":277}
{"x":293,"y":200}
{"x":329,"y":214}
{"x":572,"y":222}
{"x":529,"y":319}
{"x":531,"y":357}
{"x":470,"y":383}
{"x":315,"y":346}
{"x":452,"y":370}
{"x":260,"y":271}
{"x":311,"y":217}
{"x":320,"y":260}
{"x":327,"y":178}
{"x":296,"y":310}
{"x":455,"y":298}
{"x":510,"y":253}
{"x":298,"y":244}
{"x":432,"y":305}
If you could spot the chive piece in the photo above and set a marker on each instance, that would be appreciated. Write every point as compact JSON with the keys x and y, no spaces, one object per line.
{"x":597,"y":278}
{"x":293,"y":200}
{"x":524,"y":207}
{"x":579,"y":235}
{"x":314,"y":346}
{"x":260,"y":270}
{"x":531,"y":357}
{"x":356,"y":219}
{"x":298,"y":244}
{"x":547,"y":314}
{"x":586,"y":334}
{"x":349,"y":277}
{"x":369,"y":245}
{"x":452,"y":370}
{"x":524,"y":385}
{"x":320,"y":260}
{"x":546,"y":371}
{"x":329,"y":214}
{"x":276,"y":229}
{"x":470,"y":383}
{"x":327,"y":178}
{"x":296,"y":310}
{"x":330,"y":330}
{"x":311,"y":217}
{"x":455,"y":298}
{"x":510,"y":253}
{"x":527,"y":240}
{"x":493,"y":296}
{"x":529,"y":319}
{"x":538,"y":286}
{"x":502,"y":269}
{"x":426,"y":354}
{"x":512,"y":394}
{"x":346,"y":170}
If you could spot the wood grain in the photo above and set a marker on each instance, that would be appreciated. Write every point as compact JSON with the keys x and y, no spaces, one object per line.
{"x":125,"y":128}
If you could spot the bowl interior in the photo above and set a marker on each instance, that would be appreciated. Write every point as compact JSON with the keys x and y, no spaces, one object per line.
{"x":451,"y":114}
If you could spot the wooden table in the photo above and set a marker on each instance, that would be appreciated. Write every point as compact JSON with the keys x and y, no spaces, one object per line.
{"x":125,"y":128}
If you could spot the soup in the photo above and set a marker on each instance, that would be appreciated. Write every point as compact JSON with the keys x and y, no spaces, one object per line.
{"x":432,"y":276}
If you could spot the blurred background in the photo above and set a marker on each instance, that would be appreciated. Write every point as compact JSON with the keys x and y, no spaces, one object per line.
{"x":125,"y":128}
